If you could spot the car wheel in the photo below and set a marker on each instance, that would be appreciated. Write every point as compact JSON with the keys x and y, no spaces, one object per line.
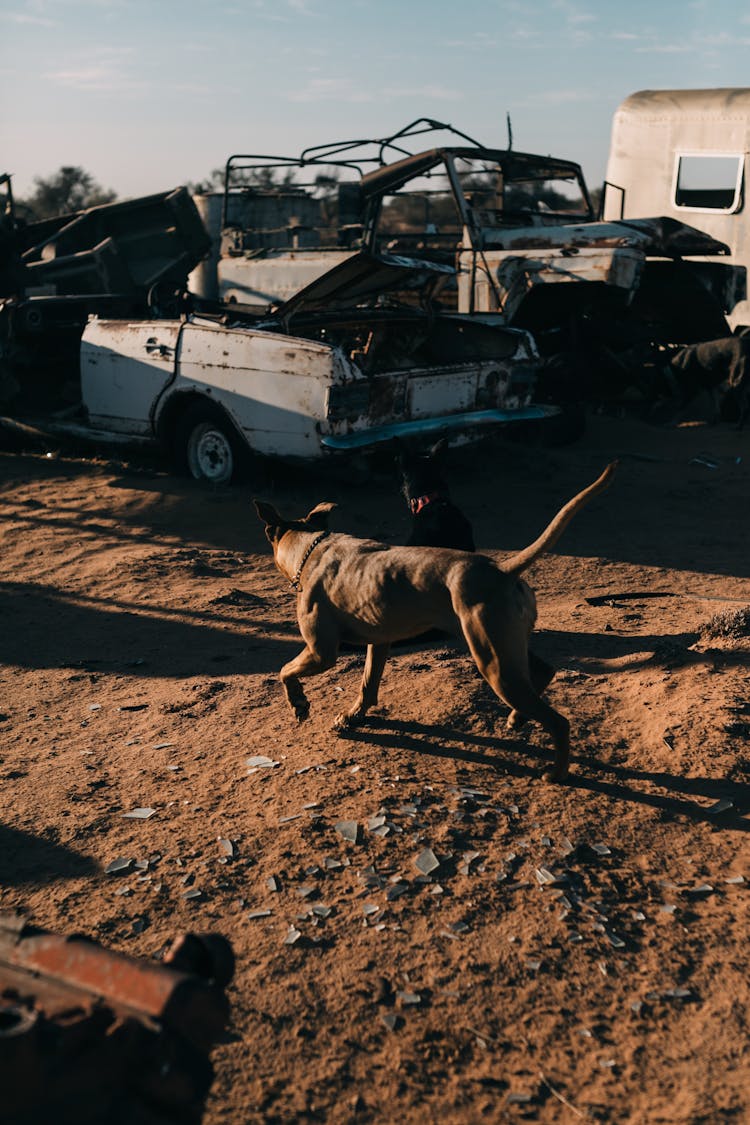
{"x":208,"y":446}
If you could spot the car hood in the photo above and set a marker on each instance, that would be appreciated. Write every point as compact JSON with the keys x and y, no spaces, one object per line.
{"x":659,"y":237}
{"x":364,"y":277}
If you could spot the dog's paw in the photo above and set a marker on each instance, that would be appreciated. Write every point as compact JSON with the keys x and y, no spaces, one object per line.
{"x":555,"y":776}
{"x":516,"y":721}
{"x":345,"y":721}
{"x":301,"y":711}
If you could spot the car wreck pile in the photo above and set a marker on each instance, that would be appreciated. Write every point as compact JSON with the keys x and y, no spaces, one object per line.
{"x":362,"y":292}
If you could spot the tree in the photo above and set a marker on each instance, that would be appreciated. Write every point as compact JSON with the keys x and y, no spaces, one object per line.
{"x":69,"y":189}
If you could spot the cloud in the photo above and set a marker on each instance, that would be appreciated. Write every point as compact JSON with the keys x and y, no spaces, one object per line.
{"x":428,"y":92}
{"x":574,"y":13}
{"x":343,"y":89}
{"x":329,"y":89}
{"x":88,"y":78}
{"x":105,"y":69}
{"x":21,"y":18}
{"x":667,"y":48}
{"x":559,"y":97}
{"x":478,"y":41}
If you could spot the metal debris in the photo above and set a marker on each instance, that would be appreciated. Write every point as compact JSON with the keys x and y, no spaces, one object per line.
{"x":292,"y":936}
{"x":273,"y":883}
{"x":253,"y":914}
{"x":226,"y":847}
{"x":601,"y":849}
{"x":139,"y":814}
{"x":95,"y":1034}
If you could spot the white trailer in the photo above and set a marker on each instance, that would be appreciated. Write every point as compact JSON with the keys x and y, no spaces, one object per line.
{"x":686,"y":154}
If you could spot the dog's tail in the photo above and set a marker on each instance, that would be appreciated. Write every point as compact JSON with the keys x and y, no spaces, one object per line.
{"x":554,"y":530}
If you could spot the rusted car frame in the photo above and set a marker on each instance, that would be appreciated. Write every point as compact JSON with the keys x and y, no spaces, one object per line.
{"x":521,"y":230}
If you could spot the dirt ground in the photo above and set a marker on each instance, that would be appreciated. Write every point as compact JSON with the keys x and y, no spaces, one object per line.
{"x":581,"y":951}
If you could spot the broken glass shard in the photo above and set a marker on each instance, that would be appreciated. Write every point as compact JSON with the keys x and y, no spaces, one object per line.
{"x":117,"y":866}
{"x":348,"y":830}
{"x":427,"y":861}
{"x":396,"y":890}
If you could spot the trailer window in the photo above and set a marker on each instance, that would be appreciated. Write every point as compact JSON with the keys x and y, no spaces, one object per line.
{"x":708,"y":183}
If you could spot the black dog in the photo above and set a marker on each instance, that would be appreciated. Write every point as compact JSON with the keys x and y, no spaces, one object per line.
{"x":721,"y":368}
{"x":435,"y":519}
{"x":437,"y":522}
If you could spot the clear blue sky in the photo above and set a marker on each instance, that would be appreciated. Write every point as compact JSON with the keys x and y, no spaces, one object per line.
{"x":148,"y":94}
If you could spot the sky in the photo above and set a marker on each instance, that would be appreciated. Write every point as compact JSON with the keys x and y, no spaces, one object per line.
{"x":146,"y":95}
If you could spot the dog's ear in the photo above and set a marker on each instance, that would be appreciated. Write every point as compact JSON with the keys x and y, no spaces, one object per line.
{"x":318,"y":517}
{"x":403,"y":454}
{"x":438,"y":449}
{"x":267,"y":513}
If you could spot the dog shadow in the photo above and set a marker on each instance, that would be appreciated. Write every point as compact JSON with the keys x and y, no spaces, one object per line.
{"x":620,"y":783}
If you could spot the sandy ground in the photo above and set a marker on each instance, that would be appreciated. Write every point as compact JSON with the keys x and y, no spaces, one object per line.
{"x":581,"y":951}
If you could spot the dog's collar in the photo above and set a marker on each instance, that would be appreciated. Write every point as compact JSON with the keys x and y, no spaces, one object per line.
{"x":417,"y":503}
{"x":295,"y":582}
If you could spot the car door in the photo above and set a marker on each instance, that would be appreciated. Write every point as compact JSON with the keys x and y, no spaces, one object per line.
{"x":124,"y":369}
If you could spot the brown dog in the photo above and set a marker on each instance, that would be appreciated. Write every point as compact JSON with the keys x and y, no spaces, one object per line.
{"x":362,"y":591}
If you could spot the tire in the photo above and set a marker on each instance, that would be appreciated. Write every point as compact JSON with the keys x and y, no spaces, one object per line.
{"x":207,"y":445}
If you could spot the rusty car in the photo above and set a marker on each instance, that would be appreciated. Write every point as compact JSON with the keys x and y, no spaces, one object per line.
{"x":360,"y":356}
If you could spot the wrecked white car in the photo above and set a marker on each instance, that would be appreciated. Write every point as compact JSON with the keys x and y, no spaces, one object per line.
{"x":360,"y":356}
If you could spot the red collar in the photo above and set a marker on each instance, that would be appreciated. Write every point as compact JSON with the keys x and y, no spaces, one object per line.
{"x":417,"y":503}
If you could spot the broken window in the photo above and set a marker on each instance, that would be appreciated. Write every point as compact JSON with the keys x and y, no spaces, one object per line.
{"x":519,"y":191}
{"x":710,"y":182}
